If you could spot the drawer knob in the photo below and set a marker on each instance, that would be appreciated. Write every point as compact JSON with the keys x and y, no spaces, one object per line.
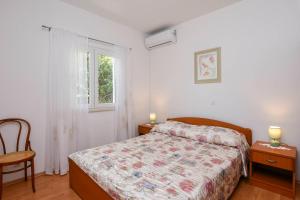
{"x":271,"y":161}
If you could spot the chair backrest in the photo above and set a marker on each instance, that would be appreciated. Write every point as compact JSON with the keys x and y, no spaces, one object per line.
{"x":21,"y":124}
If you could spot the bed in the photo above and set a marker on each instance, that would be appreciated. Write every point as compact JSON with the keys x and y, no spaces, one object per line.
{"x":175,"y":161}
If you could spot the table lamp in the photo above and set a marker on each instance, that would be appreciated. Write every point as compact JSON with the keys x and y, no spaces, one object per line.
{"x":275,"y":134}
{"x":152,"y":118}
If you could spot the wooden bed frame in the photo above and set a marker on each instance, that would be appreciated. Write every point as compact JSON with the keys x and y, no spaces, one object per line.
{"x":88,"y":189}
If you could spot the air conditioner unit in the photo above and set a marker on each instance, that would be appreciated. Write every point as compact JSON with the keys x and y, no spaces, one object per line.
{"x":161,"y":39}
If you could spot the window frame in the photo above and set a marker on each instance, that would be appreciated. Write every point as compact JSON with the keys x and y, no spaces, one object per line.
{"x":94,"y":106}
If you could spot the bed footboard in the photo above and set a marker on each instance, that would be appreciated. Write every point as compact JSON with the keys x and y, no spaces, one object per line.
{"x":83,"y":185}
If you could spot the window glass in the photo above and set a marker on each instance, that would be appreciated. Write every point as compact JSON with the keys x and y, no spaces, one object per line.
{"x":105,"y":79}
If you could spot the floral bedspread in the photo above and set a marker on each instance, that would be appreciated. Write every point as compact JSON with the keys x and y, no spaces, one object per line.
{"x":162,"y":166}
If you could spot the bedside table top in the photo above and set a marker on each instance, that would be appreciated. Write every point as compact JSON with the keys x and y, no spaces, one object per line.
{"x":147,"y":125}
{"x":290,"y":152}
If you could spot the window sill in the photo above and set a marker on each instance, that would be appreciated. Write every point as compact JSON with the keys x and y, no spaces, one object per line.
{"x":102,"y":109}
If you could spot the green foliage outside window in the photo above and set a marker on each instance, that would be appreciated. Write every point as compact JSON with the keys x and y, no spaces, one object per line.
{"x":105,"y":79}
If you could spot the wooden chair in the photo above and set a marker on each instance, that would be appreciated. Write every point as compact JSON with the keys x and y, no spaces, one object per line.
{"x":19,"y":156}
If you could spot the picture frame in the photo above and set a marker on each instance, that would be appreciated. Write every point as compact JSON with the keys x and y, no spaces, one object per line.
{"x":208,"y":66}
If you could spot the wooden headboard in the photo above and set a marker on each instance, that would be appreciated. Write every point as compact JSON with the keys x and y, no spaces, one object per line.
{"x":210,"y":122}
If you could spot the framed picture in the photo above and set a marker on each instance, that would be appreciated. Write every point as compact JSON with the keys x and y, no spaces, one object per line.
{"x":208,"y":66}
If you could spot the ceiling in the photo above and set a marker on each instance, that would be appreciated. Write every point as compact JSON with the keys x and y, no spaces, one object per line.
{"x":150,"y":15}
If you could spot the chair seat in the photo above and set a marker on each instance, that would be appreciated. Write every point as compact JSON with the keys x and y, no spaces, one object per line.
{"x":16,"y":157}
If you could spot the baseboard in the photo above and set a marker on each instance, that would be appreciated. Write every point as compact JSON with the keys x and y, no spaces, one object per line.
{"x":19,"y":180}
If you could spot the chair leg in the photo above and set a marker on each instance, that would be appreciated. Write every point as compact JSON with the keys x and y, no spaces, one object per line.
{"x":32,"y":175}
{"x":25,"y":170}
{"x":1,"y":186}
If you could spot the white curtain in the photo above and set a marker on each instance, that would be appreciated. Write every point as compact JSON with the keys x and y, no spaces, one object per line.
{"x":123,"y":102}
{"x":67,"y":97}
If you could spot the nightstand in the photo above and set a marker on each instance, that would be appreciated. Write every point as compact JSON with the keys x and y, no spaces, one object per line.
{"x":273,"y":169}
{"x":145,"y":128}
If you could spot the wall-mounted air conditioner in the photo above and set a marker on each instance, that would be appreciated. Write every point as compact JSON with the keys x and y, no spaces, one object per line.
{"x":161,"y":39}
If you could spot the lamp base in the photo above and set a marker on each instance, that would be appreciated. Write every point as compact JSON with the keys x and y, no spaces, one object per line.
{"x":153,"y":122}
{"x":275,"y":143}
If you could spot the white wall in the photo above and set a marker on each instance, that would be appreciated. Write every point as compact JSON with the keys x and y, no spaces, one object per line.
{"x":260,"y":43}
{"x":24,"y":59}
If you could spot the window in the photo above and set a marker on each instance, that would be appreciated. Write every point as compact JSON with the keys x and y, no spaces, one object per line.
{"x":101,"y":79}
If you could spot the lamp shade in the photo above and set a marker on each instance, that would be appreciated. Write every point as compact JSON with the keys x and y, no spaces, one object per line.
{"x":274,"y":132}
{"x":152,"y":118}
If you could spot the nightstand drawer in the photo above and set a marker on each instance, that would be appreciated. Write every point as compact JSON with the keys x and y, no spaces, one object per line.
{"x":272,"y":160}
